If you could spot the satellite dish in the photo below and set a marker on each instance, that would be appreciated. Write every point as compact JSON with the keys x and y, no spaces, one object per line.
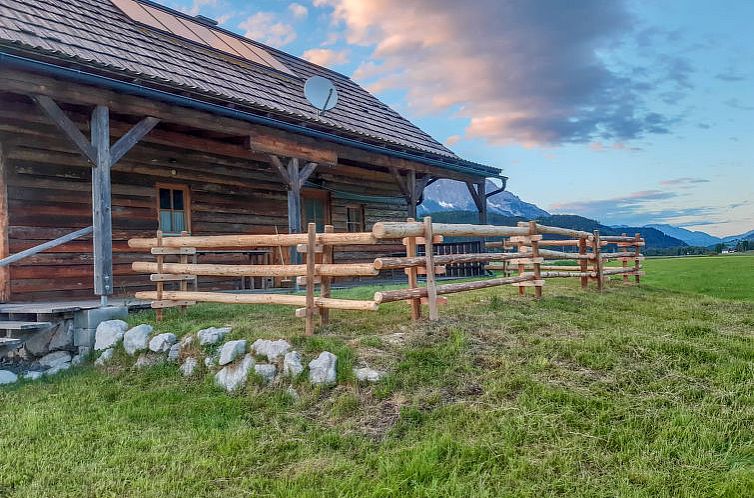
{"x":321,"y":93}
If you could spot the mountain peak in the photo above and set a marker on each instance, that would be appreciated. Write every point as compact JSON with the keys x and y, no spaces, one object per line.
{"x":450,"y":195}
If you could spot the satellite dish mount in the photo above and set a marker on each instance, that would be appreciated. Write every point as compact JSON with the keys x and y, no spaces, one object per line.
{"x":321,"y":93}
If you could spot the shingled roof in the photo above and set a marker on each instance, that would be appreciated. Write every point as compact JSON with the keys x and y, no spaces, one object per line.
{"x":95,"y":34}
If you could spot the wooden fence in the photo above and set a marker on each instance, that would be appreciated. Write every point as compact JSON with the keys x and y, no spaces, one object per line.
{"x":521,"y":256}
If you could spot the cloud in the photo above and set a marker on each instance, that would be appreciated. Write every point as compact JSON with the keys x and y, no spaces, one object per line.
{"x":737,"y":104}
{"x":264,"y":27}
{"x":683,"y":181}
{"x":326,"y":57}
{"x":730,"y":76}
{"x":299,"y":11}
{"x":196,"y":6}
{"x":519,"y":71}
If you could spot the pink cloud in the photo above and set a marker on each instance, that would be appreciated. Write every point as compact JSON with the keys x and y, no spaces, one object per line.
{"x":326,"y":57}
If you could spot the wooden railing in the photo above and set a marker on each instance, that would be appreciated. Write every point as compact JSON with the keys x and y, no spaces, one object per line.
{"x":522,"y":251}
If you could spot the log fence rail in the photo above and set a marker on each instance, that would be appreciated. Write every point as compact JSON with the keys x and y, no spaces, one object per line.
{"x":522,"y":256}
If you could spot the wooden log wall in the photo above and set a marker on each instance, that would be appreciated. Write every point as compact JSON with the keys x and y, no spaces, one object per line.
{"x":49,"y":195}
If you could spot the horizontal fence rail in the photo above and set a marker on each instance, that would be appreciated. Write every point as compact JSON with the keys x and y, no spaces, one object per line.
{"x":520,"y":256}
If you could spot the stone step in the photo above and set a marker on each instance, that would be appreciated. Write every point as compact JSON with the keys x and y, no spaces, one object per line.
{"x":26,"y":326}
{"x":10,"y":343}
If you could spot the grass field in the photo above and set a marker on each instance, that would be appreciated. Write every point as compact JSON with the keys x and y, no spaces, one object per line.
{"x":633,"y":392}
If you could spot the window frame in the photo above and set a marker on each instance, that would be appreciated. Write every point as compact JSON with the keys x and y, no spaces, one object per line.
{"x":186,"y":205}
{"x":362,"y":223}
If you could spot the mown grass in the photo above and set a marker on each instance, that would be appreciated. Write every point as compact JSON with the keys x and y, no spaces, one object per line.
{"x":632,"y":392}
{"x":726,"y":277}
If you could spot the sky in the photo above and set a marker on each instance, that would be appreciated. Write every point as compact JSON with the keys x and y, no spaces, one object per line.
{"x":626,"y":111}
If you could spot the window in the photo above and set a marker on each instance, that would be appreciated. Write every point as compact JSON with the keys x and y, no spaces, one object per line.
{"x":316,"y":209}
{"x":174,"y":206}
{"x":355,"y":218}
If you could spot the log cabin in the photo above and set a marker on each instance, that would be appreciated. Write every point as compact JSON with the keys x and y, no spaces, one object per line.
{"x":119,"y":118}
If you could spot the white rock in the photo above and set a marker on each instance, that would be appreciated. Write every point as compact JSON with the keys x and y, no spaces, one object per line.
{"x":33,"y":375}
{"x":368,"y":374}
{"x":292,"y":393}
{"x":105,"y":357}
{"x":136,"y":339}
{"x":233,"y":377}
{"x":209,"y":362}
{"x":322,"y":369}
{"x":267,"y":372}
{"x":85,"y":351}
{"x":63,"y":337}
{"x":108,"y":334}
{"x":292,"y":364}
{"x":188,"y":367}
{"x":212,"y":335}
{"x":77,"y":360}
{"x":174,"y":353}
{"x":162,"y":343}
{"x":54,"y":359}
{"x":232,"y":350}
{"x":271,"y":349}
{"x":7,"y":377}
{"x":149,"y":359}
{"x":57,"y":369}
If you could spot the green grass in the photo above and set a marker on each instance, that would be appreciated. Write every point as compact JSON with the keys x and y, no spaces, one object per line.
{"x":633,"y":392}
{"x":726,"y":277}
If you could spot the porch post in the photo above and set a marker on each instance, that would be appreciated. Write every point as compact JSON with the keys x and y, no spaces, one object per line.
{"x":412,"y":194}
{"x":101,"y":204}
{"x":483,"y":207}
{"x":294,"y":205}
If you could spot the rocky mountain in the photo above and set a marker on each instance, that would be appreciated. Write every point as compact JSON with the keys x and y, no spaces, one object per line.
{"x":735,"y":238}
{"x":692,"y":238}
{"x":449,"y":195}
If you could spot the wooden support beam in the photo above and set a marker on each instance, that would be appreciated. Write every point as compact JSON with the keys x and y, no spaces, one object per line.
{"x":429,"y":250}
{"x":101,"y":203}
{"x":68,"y":127}
{"x":306,"y":172}
{"x":282,"y":170}
{"x":131,"y":138}
{"x":326,"y":282}
{"x":412,"y":198}
{"x":413,"y":281}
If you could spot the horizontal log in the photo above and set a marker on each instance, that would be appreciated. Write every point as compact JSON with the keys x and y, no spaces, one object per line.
{"x":283,"y":240}
{"x":397,"y":230}
{"x":445,"y":259}
{"x":281,"y":299}
{"x":170,"y":304}
{"x":565,"y":232}
{"x":618,"y":271}
{"x":420,"y":270}
{"x":186,"y":251}
{"x":617,"y":255}
{"x":329,"y":270}
{"x":532,"y":283}
{"x":419,"y":292}
{"x":420,"y":241}
{"x":547,"y":253}
{"x":498,"y":245}
{"x":618,"y":238}
{"x":168,"y":277}
{"x":564,"y":243}
{"x":525,"y":239}
{"x":550,"y":267}
{"x":556,"y":274}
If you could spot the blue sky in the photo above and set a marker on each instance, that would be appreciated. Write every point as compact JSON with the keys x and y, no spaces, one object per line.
{"x":630,"y":112}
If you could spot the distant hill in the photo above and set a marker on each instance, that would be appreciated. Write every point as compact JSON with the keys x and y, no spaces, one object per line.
{"x":692,"y":238}
{"x":654,"y":238}
{"x":735,"y":238}
{"x":449,"y":195}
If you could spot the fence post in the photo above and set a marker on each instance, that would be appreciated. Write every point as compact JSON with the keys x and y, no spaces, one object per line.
{"x":624,"y":262}
{"x":325,"y":285}
{"x":413,"y":279}
{"x":637,"y":260}
{"x":311,"y":262}
{"x":583,"y":264}
{"x":429,"y":254}
{"x":598,"y":259}
{"x":534,"y":243}
{"x":160,"y":284}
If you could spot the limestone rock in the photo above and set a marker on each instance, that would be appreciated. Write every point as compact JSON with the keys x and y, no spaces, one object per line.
{"x":212,"y":335}
{"x":85,"y":351}
{"x":292,"y":393}
{"x":108,"y":334}
{"x":63,"y":336}
{"x":292,"y":364}
{"x":57,"y":369}
{"x":267,"y":372}
{"x":232,"y":350}
{"x":174,"y":353}
{"x":149,"y":359}
{"x":105,"y":357}
{"x":162,"y":343}
{"x":188,"y":367}
{"x":322,"y":369}
{"x":7,"y":377}
{"x":368,"y":374}
{"x":136,"y":339}
{"x":54,"y":359}
{"x":33,"y":375}
{"x":77,"y":360}
{"x":59,"y":336}
{"x":271,"y":349}
{"x":209,"y":362}
{"x":233,"y":377}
